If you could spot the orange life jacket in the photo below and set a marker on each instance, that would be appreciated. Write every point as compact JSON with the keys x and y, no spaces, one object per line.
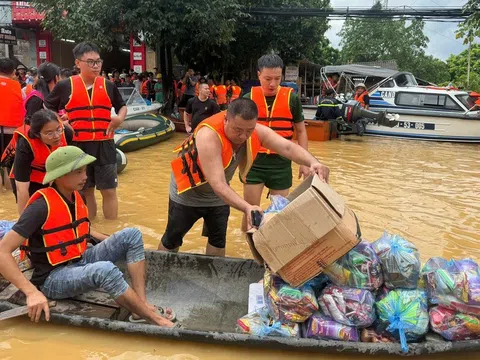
{"x":40,"y":150}
{"x":63,"y":238}
{"x":144,"y":88}
{"x":279,"y":118}
{"x":361,"y":98}
{"x":212,"y":91}
{"x":221,"y":92}
{"x":12,"y":112}
{"x":236,"y":91}
{"x":187,"y":168}
{"x":89,"y":117}
{"x":28,"y":89}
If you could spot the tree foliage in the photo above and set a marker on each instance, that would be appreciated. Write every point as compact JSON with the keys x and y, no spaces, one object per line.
{"x":430,"y":68}
{"x":457,"y":67}
{"x":207,"y":34}
{"x":470,"y":28}
{"x":366,"y":40}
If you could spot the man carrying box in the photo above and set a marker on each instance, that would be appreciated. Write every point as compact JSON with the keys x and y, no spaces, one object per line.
{"x":207,"y":160}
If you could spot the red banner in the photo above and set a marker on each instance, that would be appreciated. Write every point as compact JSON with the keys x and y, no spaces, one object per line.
{"x":138,"y":54}
{"x":23,"y":12}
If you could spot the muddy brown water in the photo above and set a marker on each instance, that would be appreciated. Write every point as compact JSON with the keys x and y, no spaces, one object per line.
{"x":426,"y":191}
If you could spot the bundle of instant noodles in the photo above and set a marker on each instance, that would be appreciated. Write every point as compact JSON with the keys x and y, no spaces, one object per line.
{"x":454,"y":326}
{"x":286,"y":303}
{"x":400,"y":261}
{"x":359,"y":268}
{"x":348,"y":306}
{"x":404,"y":314}
{"x":320,"y":326}
{"x":454,"y":284}
{"x":260,"y":323}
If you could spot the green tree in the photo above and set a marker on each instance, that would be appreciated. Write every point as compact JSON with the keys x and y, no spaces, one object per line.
{"x":457,"y":67}
{"x":470,"y":28}
{"x":383,"y":39}
{"x":431,"y":69}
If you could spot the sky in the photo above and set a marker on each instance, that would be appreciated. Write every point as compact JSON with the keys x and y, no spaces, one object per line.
{"x":441,"y":35}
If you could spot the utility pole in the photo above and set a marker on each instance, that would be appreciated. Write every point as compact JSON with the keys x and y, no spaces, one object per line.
{"x":469,"y":57}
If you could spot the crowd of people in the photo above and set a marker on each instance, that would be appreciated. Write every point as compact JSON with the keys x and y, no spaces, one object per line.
{"x":63,"y":150}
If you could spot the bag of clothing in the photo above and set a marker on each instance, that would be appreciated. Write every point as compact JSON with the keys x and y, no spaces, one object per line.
{"x":400,"y":261}
{"x":404,"y":314}
{"x":454,"y":284}
{"x":320,"y":326}
{"x":359,"y":268}
{"x":288,"y":304}
{"x":260,"y":323}
{"x":348,"y":306}
{"x":454,"y":326}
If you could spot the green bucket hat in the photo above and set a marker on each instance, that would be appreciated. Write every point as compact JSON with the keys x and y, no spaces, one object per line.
{"x":64,"y":160}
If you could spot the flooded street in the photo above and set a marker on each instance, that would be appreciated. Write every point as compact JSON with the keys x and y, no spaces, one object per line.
{"x":425,"y":191}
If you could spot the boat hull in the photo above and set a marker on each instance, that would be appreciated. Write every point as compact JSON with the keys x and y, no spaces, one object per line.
{"x":423,"y":125}
{"x":156,"y":129}
{"x":178,"y":121}
{"x":430,"y":127}
{"x":208,"y":294}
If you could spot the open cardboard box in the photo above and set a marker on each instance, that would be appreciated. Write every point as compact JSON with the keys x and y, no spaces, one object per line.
{"x":314,"y":230}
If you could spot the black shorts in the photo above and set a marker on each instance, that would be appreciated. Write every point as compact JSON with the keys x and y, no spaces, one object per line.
{"x":103,"y":177}
{"x":181,"y":218}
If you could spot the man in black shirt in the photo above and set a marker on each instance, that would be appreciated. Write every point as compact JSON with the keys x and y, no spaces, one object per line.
{"x":328,"y":108}
{"x":103,"y":173}
{"x":63,"y":265}
{"x":199,"y":108}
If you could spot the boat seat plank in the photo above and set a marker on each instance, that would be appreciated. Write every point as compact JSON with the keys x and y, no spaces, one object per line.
{"x":8,"y":292}
{"x":72,"y":307}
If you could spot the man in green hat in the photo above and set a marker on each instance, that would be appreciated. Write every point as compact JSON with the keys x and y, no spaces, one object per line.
{"x":55,"y":222}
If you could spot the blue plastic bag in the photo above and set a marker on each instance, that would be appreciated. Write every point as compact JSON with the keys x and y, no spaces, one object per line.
{"x":400,"y":261}
{"x":404,"y":314}
{"x":278,"y":204}
{"x":260,"y":323}
{"x":5,"y":226}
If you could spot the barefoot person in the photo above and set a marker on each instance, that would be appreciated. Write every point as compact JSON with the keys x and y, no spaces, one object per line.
{"x":88,"y":99}
{"x":56,"y":224}
{"x":199,"y":185}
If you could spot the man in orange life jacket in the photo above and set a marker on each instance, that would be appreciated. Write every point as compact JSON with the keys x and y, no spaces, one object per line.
{"x":88,"y":99}
{"x":280,"y":110}
{"x":56,"y":224}
{"x":236,"y":91}
{"x":13,"y":111}
{"x":361,"y":95}
{"x":207,"y":160}
{"x":221,"y":96}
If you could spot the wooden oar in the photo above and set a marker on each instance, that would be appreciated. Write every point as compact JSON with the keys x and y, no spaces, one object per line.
{"x":22,"y":310}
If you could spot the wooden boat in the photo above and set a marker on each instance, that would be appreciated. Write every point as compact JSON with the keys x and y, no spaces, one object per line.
{"x":177,"y":120}
{"x":143,"y":130}
{"x":208,"y":294}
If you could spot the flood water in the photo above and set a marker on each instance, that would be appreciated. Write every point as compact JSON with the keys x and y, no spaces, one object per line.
{"x":428,"y":192}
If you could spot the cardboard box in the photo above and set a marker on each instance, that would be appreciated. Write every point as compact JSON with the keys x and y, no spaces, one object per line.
{"x":314,"y":230}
